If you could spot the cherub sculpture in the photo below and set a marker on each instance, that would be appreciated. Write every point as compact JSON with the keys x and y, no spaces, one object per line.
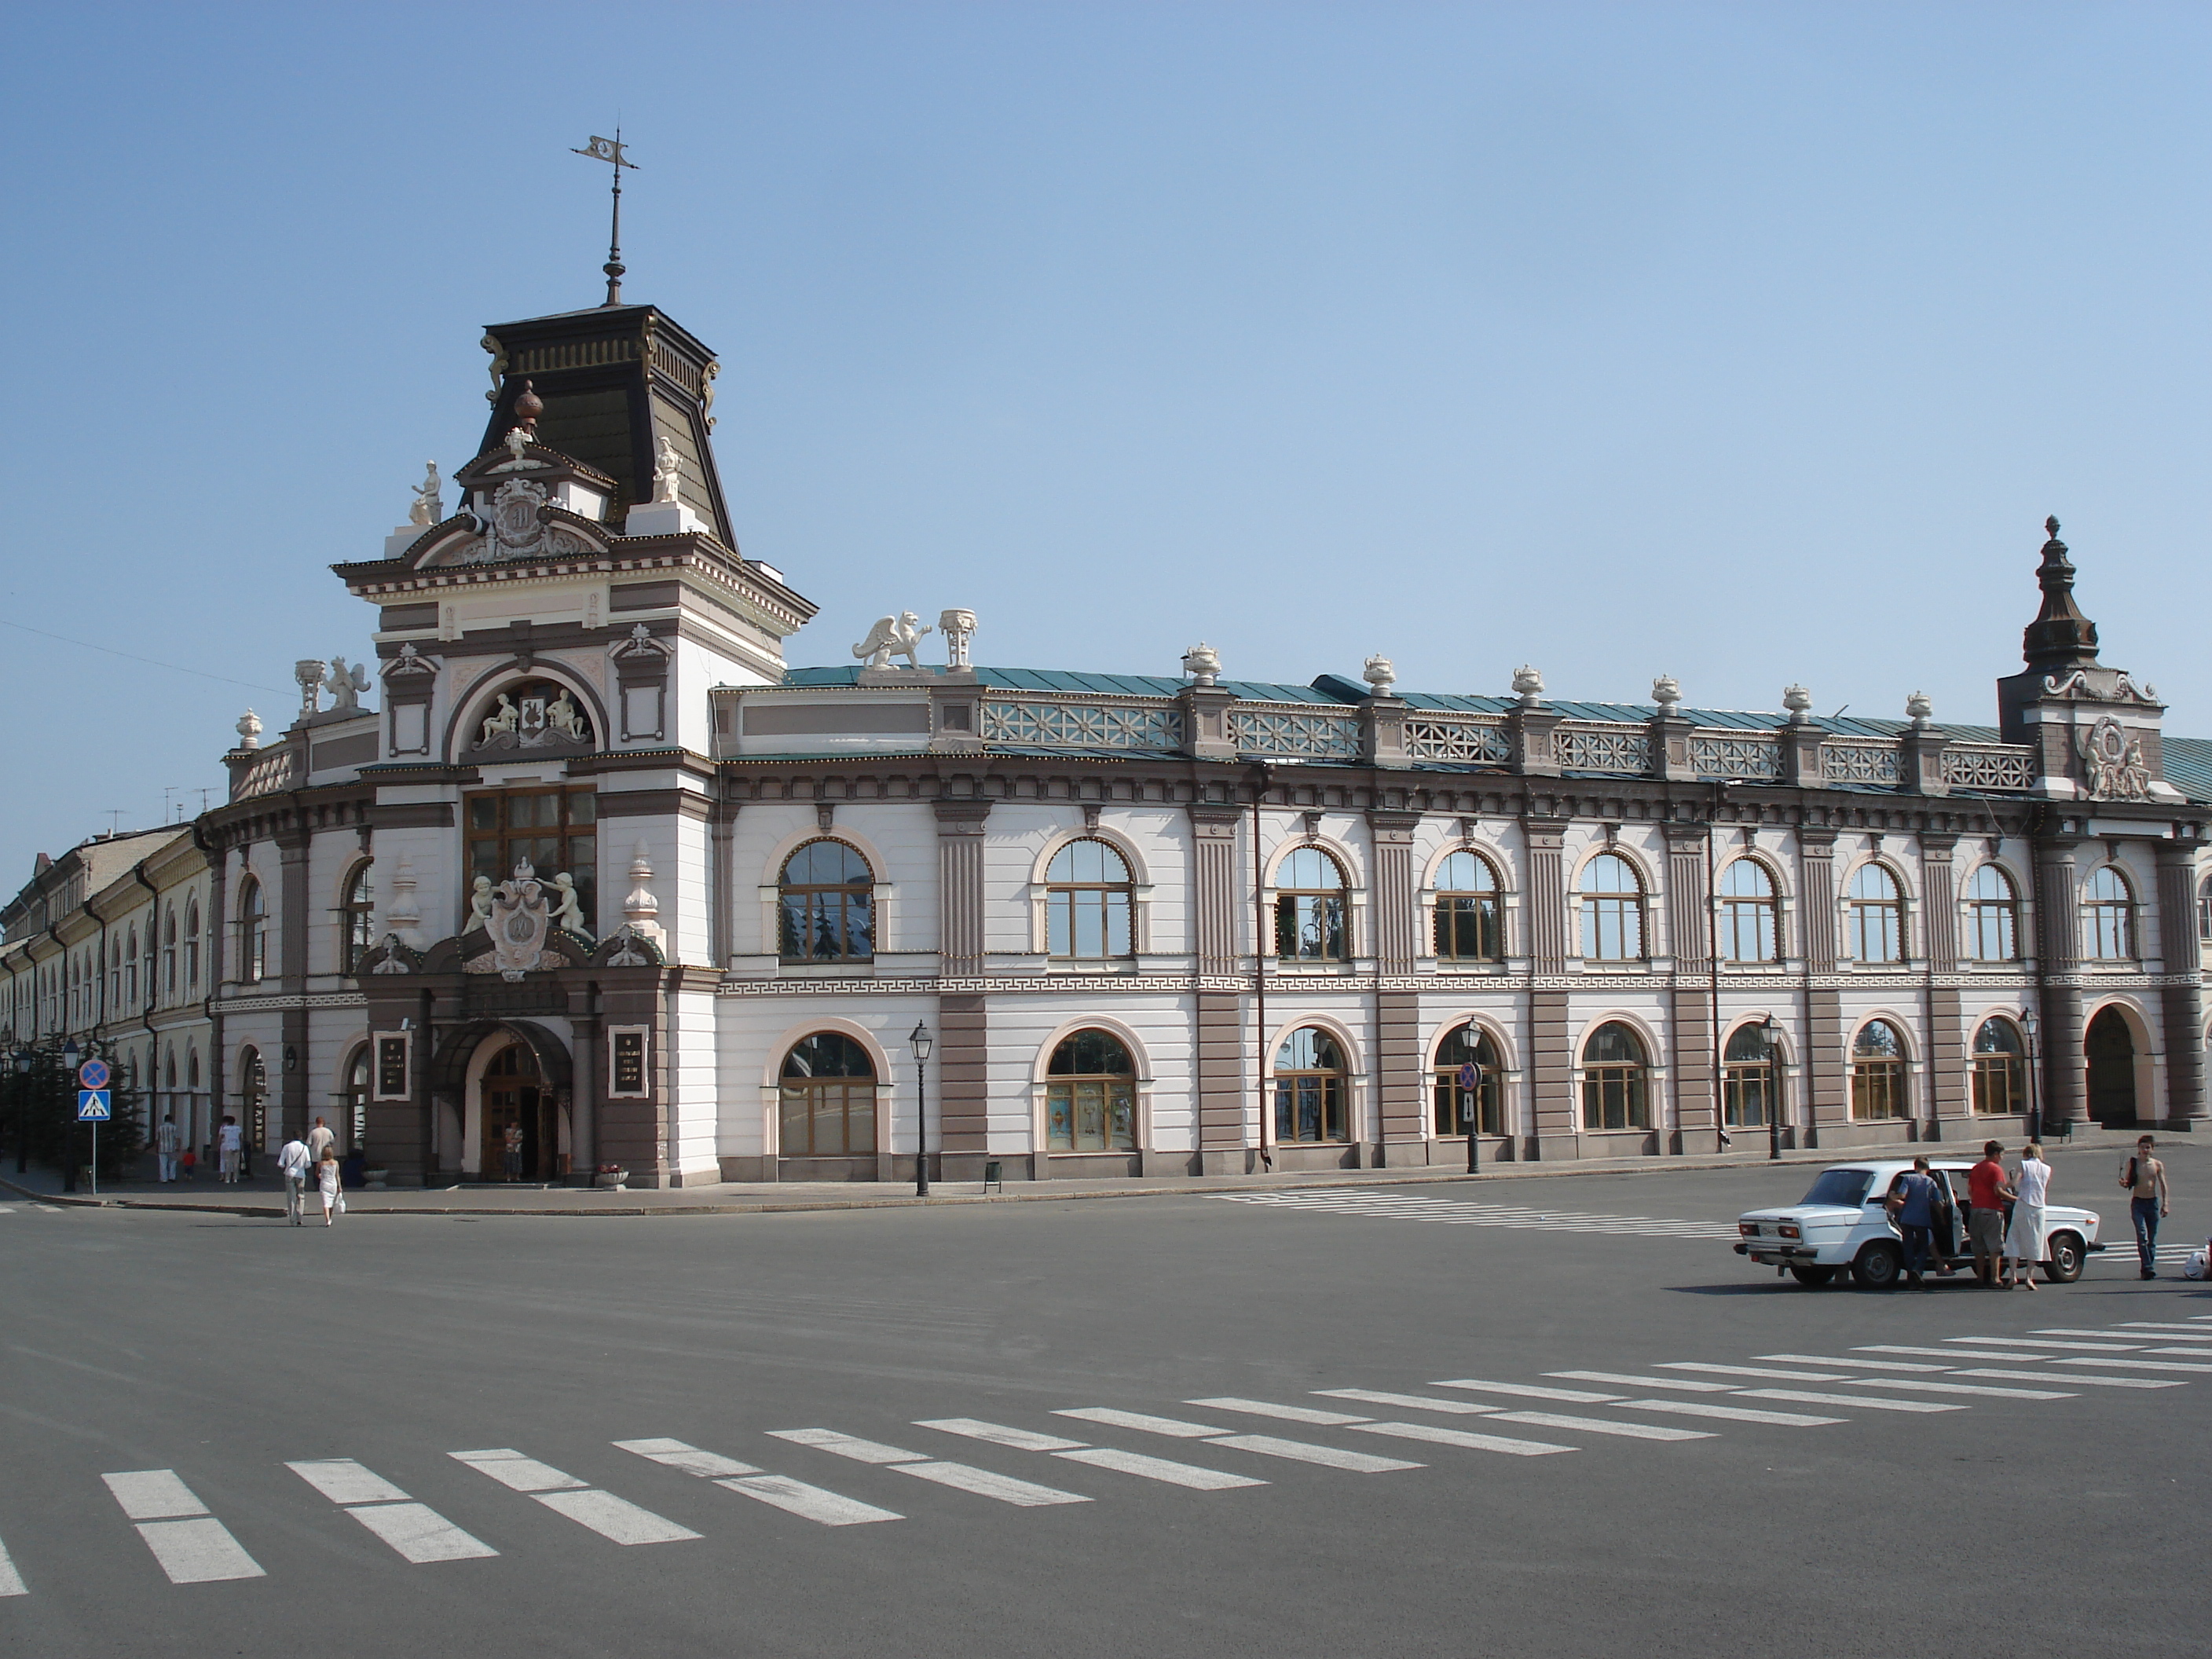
{"x":569,"y":913}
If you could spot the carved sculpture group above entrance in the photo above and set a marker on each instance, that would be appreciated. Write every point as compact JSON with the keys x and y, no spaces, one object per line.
{"x":534,"y":715}
{"x":518,"y":917}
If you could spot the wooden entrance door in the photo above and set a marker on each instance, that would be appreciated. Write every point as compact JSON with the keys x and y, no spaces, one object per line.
{"x":513,"y":1101}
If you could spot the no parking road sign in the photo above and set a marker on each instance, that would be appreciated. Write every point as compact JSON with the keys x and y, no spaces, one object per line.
{"x":92,"y":1106}
{"x":93,"y":1074}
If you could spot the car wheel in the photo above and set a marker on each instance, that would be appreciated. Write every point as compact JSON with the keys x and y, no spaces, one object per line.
{"x":2066,"y":1255}
{"x":1877,"y":1267}
{"x":1812,"y":1278}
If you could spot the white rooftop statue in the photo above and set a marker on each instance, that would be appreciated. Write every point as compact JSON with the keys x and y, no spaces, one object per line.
{"x":892,"y":636}
{"x":1203,"y":663}
{"x":1529,"y":683}
{"x":1381,"y":673}
{"x":666,"y":470}
{"x":1667,"y":692}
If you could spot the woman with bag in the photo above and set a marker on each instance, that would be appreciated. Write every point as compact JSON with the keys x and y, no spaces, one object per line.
{"x":2024,"y":1242}
{"x":333,"y":1190}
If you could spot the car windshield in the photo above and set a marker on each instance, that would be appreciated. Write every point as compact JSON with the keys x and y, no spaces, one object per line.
{"x":1843,"y":1187}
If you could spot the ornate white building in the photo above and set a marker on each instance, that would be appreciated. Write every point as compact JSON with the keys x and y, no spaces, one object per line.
{"x":600,"y":869}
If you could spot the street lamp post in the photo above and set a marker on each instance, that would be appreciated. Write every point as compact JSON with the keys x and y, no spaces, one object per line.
{"x":1470,"y":1087}
{"x":919,"y":1041}
{"x":2029,"y":1024}
{"x":69,"y":1057}
{"x":1772,"y":1033}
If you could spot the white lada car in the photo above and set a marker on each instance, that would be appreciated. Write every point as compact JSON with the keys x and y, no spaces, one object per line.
{"x":1841,"y":1225}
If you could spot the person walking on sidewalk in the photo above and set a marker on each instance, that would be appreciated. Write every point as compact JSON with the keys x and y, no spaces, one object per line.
{"x":2144,"y":1178}
{"x":1987,"y":1194}
{"x":1911,"y":1205}
{"x":2024,"y":1244}
{"x":332,"y":1189}
{"x":319,"y":1140}
{"x":296,"y":1162}
{"x":166,"y":1140}
{"x":229,"y":1141}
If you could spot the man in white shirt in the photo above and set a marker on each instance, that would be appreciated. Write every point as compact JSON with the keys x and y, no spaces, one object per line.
{"x":228,"y":1142}
{"x":318,"y":1138}
{"x":167,"y":1140}
{"x":295,"y":1161}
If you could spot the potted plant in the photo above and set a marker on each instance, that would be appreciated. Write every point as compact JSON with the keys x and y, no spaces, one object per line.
{"x":612,"y":1176}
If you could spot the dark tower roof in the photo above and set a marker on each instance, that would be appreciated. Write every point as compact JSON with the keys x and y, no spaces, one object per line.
{"x":615,"y":380}
{"x":2060,"y":636}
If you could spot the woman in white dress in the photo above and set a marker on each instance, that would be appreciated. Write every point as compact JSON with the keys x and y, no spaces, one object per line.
{"x":326,"y":1179}
{"x":2023,"y":1246}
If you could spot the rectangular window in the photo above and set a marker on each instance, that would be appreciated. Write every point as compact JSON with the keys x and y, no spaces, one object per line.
{"x":1747,"y":932}
{"x":2000,"y":1083}
{"x":1877,"y":1090}
{"x":1745,"y":1092}
{"x":1614,"y":1098}
{"x":1877,"y":932}
{"x":1612,"y":929}
{"x":554,"y":831}
{"x":1309,"y":927}
{"x":626,"y":1063}
{"x":1993,"y":932}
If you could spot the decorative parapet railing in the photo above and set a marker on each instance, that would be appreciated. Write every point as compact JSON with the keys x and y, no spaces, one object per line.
{"x":1082,"y":723}
{"x":272,"y":770}
{"x":1858,"y":763}
{"x":1294,"y":731}
{"x":1989,"y":766}
{"x":1602,"y":748}
{"x":1735,"y":757}
{"x":1457,"y":737}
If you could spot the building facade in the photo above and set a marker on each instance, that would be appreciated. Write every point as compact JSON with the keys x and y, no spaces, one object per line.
{"x":602,"y":881}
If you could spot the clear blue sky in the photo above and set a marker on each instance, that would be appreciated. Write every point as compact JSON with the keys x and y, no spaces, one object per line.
{"x":1752,"y":344}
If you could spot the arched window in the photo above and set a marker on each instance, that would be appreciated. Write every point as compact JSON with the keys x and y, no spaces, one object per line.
{"x":1993,"y":925}
{"x":1464,"y":1098}
{"x":131,"y":970}
{"x":1616,"y":1079}
{"x":1091,"y":1095}
{"x":1877,"y":1072}
{"x":2204,"y":915}
{"x":1309,"y":909}
{"x":192,"y":944}
{"x":192,"y":1066}
{"x":1309,"y":1087}
{"x":829,"y":1098}
{"x":1470,"y":921}
{"x":169,"y":1072}
{"x":1750,"y":1088}
{"x":113,"y":956}
{"x":252,"y":933}
{"x":828,"y":905}
{"x":1088,"y":901}
{"x":2107,"y":907}
{"x":2000,"y":1069}
{"x":1877,"y":932}
{"x":357,"y":921}
{"x":1613,"y":911}
{"x":1749,"y":930}
{"x":169,"y":955}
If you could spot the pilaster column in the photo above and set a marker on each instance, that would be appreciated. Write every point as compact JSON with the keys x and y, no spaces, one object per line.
{"x":2062,"y":1068}
{"x":960,"y":933}
{"x":1689,"y":916}
{"x":2186,"y":1108}
{"x":1946,"y":1039}
{"x":291,"y":1066}
{"x":1218,"y":904}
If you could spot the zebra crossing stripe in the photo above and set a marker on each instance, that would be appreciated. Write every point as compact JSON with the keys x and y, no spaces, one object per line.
{"x":2071,"y":1378}
{"x":1417,"y":1402}
{"x":1746,"y":1370}
{"x":188,"y":1544}
{"x":1731,"y":1413}
{"x":999,"y":1434}
{"x":2044,"y":1342}
{"x":416,"y":1531}
{"x":1808,"y":1397}
{"x":2143,"y":1365}
{"x":1288,"y":1413}
{"x":846,"y":1445}
{"x":1407,"y":1207}
{"x":1688,"y":1385}
{"x":1158,"y":1468}
{"x":616,"y":1519}
{"x":1953,"y":1353}
{"x":1603,"y":1426}
{"x":1175,"y":1428}
{"x":11,"y":1582}
{"x":1864,"y":1364}
{"x":814,"y":1503}
{"x":1922,"y":1385}
{"x":2101,"y":1336}
{"x":965,"y":1477}
{"x":677,"y":1454}
{"x":1528,"y":1391}
{"x":1303,"y":1451}
{"x":1431,"y":1435}
{"x":2193,"y":1328}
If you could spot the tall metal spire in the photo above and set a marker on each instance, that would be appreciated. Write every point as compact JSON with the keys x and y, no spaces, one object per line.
{"x":611,"y":151}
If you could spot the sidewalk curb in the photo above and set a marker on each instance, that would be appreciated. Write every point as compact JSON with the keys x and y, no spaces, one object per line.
{"x":1198,"y":1185}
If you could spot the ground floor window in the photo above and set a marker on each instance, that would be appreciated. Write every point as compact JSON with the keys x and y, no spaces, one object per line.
{"x":2000,"y":1071}
{"x":1616,"y":1080}
{"x":1091,"y":1096}
{"x":1310,"y":1088}
{"x":1748,"y":1080}
{"x":1877,"y":1073}
{"x":829,"y":1098}
{"x":1470,"y":1083}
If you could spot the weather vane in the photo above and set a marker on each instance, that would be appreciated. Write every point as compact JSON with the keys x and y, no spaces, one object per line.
{"x":611,"y":151}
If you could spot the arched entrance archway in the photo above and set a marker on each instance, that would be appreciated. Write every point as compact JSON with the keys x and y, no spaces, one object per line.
{"x":498,"y":1076}
{"x":2110,"y":1049}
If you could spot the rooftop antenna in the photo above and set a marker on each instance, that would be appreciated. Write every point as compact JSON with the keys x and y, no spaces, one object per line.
{"x":114,"y":821}
{"x":610,"y":150}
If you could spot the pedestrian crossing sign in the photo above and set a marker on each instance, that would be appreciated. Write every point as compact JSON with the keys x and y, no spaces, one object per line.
{"x":92,"y":1106}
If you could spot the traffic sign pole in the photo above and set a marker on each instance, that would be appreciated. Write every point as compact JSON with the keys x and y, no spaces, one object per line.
{"x":93,"y":1107}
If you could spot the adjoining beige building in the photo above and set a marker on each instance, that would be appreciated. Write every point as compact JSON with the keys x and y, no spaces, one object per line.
{"x":602,"y":881}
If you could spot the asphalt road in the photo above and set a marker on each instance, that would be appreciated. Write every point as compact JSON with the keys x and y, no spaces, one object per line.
{"x":222,"y":1349}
